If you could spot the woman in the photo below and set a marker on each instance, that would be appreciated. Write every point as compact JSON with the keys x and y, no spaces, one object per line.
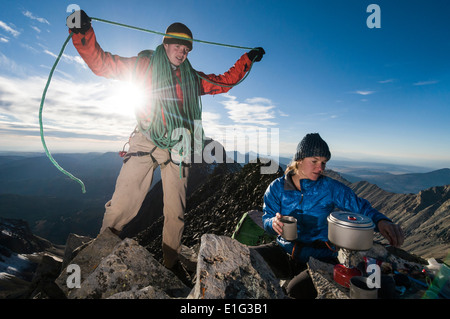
{"x":309,"y":196}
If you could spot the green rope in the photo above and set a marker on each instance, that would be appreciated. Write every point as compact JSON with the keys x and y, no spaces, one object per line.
{"x":162,"y":103}
{"x":83,"y":189}
{"x":164,"y":34}
{"x":157,"y":130}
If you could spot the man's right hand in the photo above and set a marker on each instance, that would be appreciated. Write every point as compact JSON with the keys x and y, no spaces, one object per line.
{"x":78,"y":22}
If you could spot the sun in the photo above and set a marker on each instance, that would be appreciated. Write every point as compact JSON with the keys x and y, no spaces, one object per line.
{"x":126,"y":98}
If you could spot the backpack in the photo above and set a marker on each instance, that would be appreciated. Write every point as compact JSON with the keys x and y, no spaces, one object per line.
{"x":250,"y":231}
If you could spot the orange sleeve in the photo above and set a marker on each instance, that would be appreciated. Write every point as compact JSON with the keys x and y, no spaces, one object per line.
{"x":100,"y":62}
{"x":231,"y":77}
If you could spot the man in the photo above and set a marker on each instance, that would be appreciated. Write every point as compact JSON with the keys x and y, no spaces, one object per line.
{"x":173,"y":103}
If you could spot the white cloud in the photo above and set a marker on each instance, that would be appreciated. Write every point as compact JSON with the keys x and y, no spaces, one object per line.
{"x":30,"y":15}
{"x":68,"y":58}
{"x":29,"y":48}
{"x":36,"y":29}
{"x":362,"y":92}
{"x":9,"y":29}
{"x":4,"y":40}
{"x":97,"y":113}
{"x":421,"y":83}
{"x":210,"y":117}
{"x":257,"y":110}
{"x":65,"y":74}
{"x":386,"y":81}
{"x":282,"y":113}
{"x":75,"y":110}
{"x":10,"y":65}
{"x":258,"y":100}
{"x":252,"y":127}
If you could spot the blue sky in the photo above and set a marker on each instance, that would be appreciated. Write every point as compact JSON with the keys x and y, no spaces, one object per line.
{"x":377,"y":94}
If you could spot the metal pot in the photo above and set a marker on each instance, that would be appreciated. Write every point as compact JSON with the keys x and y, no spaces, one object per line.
{"x":350,"y":231}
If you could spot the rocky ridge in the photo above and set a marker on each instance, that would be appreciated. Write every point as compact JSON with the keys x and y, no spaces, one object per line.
{"x":108,"y":267}
{"x":213,"y":212}
{"x":424,"y":217}
{"x":22,"y":255}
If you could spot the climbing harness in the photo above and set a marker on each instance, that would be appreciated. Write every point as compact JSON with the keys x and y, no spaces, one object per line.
{"x":158,"y":132}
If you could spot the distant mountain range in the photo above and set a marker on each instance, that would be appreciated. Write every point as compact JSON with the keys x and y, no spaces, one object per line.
{"x":405,"y":183}
{"x":33,"y":189}
{"x":35,"y":175}
{"x":218,"y":196}
{"x":395,"y":178}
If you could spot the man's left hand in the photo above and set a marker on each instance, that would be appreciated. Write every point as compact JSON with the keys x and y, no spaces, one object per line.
{"x":256,"y":54}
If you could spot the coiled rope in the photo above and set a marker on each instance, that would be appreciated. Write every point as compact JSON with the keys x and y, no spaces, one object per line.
{"x":167,"y":145}
{"x":163,"y":101}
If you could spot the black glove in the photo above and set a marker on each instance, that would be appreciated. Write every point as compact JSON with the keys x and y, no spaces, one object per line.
{"x":256,"y":54}
{"x":79,"y":22}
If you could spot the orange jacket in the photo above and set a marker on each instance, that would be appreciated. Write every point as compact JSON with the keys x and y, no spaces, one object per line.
{"x":113,"y":66}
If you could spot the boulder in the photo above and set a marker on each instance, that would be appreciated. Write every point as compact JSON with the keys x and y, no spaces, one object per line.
{"x":74,"y":244}
{"x":188,"y":257}
{"x":89,"y":258}
{"x":43,"y":285}
{"x":129,"y":267}
{"x":144,"y":293}
{"x":322,"y":276}
{"x":227,"y":269}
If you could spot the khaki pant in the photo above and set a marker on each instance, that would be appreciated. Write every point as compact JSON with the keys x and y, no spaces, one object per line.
{"x":132,"y":186}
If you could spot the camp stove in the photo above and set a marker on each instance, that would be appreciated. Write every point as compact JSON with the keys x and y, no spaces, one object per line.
{"x":343,"y":272}
{"x":350,"y":232}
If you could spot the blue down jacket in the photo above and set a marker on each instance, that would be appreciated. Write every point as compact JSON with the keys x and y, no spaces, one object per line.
{"x":311,"y":206}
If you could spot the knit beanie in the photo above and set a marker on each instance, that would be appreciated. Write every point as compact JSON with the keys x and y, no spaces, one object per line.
{"x":179,"y":30}
{"x":312,"y":145}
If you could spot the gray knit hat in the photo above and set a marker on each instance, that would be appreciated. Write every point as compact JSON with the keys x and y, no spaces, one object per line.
{"x":312,"y":145}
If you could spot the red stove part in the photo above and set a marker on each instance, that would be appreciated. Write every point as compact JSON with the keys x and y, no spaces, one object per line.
{"x":343,"y":274}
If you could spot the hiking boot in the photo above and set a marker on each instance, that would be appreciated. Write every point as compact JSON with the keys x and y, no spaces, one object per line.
{"x":181,"y":272}
{"x":115,"y":231}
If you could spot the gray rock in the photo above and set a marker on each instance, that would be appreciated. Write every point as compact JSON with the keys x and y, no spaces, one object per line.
{"x":144,"y":293}
{"x":188,"y":257}
{"x":129,"y":267}
{"x":89,"y":258}
{"x":74,"y":244}
{"x":322,"y":276}
{"x":43,"y":284}
{"x":227,"y":269}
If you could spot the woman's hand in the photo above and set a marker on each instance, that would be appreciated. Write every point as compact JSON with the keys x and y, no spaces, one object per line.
{"x":277,"y":225}
{"x":392,"y":232}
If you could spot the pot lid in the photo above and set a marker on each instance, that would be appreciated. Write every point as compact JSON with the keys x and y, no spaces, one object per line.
{"x":351,"y":219}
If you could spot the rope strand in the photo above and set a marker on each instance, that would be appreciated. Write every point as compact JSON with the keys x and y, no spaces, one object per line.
{"x":171,"y":35}
{"x":159,"y":131}
{"x":83,"y":189}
